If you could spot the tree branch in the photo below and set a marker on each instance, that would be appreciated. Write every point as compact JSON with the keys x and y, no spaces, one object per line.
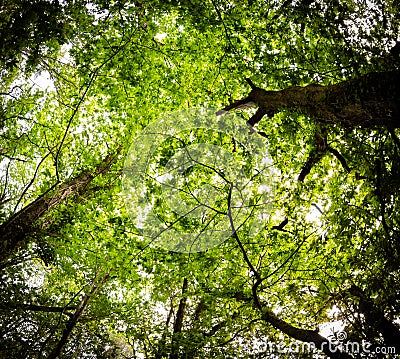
{"x":179,"y":320}
{"x":394,"y":137}
{"x":281,"y":225}
{"x":367,"y":101}
{"x":38,"y":308}
{"x":341,"y":159}
{"x":376,"y":318}
{"x":304,"y":335}
{"x":93,"y":288}
{"x":25,"y":223}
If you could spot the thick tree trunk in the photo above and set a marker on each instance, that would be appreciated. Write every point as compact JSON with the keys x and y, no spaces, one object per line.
{"x":24,"y":225}
{"x":367,"y":101}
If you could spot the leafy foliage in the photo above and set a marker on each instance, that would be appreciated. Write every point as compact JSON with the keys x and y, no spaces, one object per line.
{"x":327,"y":257}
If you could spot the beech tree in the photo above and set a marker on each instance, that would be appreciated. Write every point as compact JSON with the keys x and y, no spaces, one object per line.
{"x":93,"y":90}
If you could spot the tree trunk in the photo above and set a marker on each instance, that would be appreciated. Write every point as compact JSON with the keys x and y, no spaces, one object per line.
{"x":23,"y":225}
{"x":179,"y":322}
{"x":376,"y":319}
{"x":367,"y":101}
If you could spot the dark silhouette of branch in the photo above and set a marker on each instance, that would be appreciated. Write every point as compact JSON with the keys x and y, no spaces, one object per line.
{"x":379,"y":194}
{"x":178,"y":324}
{"x":281,"y":225}
{"x":72,"y":322}
{"x":161,"y":347}
{"x":394,"y":137}
{"x":376,"y":318}
{"x":303,"y":335}
{"x":251,"y":84}
{"x":38,"y":308}
{"x":311,"y":161}
{"x":235,"y":235}
{"x":341,"y":159}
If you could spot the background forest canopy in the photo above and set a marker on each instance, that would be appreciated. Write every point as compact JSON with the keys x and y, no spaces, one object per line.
{"x":317,"y":83}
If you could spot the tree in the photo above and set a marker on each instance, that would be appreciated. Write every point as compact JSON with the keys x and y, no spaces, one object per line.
{"x":79,"y":277}
{"x":26,"y":223}
{"x":370,"y":100}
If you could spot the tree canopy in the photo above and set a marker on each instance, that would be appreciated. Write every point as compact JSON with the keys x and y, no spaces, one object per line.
{"x":200,"y":179}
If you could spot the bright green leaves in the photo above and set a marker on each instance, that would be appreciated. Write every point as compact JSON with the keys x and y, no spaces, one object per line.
{"x":192,"y":171}
{"x":125,"y":67}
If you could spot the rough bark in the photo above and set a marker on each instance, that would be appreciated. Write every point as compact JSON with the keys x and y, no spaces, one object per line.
{"x":367,"y":101}
{"x":23,"y":225}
